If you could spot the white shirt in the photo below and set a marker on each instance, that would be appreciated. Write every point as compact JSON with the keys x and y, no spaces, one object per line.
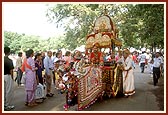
{"x":150,"y":58}
{"x":18,"y":62}
{"x":157,"y":62}
{"x":142,"y":58}
{"x":55,"y":60}
{"x":147,"y":56}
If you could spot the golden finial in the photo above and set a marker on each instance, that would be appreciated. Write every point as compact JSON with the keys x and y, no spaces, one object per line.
{"x":105,"y":10}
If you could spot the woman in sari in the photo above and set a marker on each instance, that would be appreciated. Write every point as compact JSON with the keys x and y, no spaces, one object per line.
{"x":31,"y":83}
{"x":128,"y":76}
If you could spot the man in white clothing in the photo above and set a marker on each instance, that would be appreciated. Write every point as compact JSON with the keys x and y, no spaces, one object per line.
{"x":157,"y":67}
{"x":142,"y":61}
{"x":18,"y":66}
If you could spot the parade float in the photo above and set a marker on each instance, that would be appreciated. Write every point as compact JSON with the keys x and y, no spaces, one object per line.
{"x":95,"y":81}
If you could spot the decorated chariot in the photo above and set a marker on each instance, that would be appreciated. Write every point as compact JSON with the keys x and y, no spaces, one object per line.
{"x":98,"y":79}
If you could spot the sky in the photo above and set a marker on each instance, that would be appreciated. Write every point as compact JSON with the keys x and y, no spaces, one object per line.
{"x":28,"y":18}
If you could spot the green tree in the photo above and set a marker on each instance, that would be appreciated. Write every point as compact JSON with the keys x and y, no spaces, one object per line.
{"x":21,"y":42}
{"x":143,"y":25}
{"x":80,"y":21}
{"x":30,"y":42}
{"x":153,"y":22}
{"x":12,"y":40}
{"x":138,"y":24}
{"x":82,"y":17}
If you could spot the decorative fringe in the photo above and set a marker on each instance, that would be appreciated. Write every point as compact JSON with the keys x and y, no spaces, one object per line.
{"x":66,"y":106}
{"x":92,"y":102}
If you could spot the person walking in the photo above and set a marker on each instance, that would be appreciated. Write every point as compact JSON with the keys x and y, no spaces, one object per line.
{"x":49,"y":68}
{"x":8,"y":80}
{"x":142,"y":61}
{"x":157,"y":67}
{"x":18,"y":66}
{"x":134,"y":58}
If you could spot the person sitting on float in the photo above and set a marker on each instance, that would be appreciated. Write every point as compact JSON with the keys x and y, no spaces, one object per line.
{"x":96,"y":56}
{"x":111,"y":58}
{"x":76,"y":58}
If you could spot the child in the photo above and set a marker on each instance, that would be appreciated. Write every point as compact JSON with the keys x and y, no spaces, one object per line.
{"x":61,"y":86}
{"x":56,"y":72}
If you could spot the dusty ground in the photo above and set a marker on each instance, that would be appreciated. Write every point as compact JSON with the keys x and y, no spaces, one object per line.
{"x":146,"y":98}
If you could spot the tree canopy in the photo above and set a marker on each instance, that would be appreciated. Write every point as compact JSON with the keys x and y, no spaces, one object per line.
{"x":21,"y":42}
{"x":140,"y":25}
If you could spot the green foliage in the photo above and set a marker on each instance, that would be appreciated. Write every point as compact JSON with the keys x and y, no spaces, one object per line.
{"x":21,"y":42}
{"x":30,"y":42}
{"x":146,"y":25}
{"x":12,"y":40}
{"x":80,"y":21}
{"x":138,"y":24}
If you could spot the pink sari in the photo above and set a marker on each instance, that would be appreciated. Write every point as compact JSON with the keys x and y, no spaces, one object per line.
{"x":31,"y":83}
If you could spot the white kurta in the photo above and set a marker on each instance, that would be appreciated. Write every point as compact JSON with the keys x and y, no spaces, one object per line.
{"x":128,"y":77}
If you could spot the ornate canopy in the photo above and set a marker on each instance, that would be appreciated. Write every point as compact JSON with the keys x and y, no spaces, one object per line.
{"x":104,"y":33}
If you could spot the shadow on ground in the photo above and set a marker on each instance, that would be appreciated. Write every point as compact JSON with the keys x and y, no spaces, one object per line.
{"x":159,"y":92}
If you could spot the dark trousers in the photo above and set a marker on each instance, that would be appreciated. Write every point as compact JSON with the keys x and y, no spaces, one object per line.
{"x":142,"y":66}
{"x":19,"y":76}
{"x":156,"y":75}
{"x":53,"y":77}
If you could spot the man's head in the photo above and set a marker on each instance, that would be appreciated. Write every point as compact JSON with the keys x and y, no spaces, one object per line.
{"x":20,"y":54}
{"x":143,"y":52}
{"x":49,"y":53}
{"x":6,"y":50}
{"x":43,"y":54}
{"x":157,"y":54}
{"x":54,"y":54}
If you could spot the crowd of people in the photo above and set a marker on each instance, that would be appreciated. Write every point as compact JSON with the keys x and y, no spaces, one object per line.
{"x":48,"y":68}
{"x":155,"y":63}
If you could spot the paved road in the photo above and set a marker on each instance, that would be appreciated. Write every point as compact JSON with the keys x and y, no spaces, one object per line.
{"x":143,"y":100}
